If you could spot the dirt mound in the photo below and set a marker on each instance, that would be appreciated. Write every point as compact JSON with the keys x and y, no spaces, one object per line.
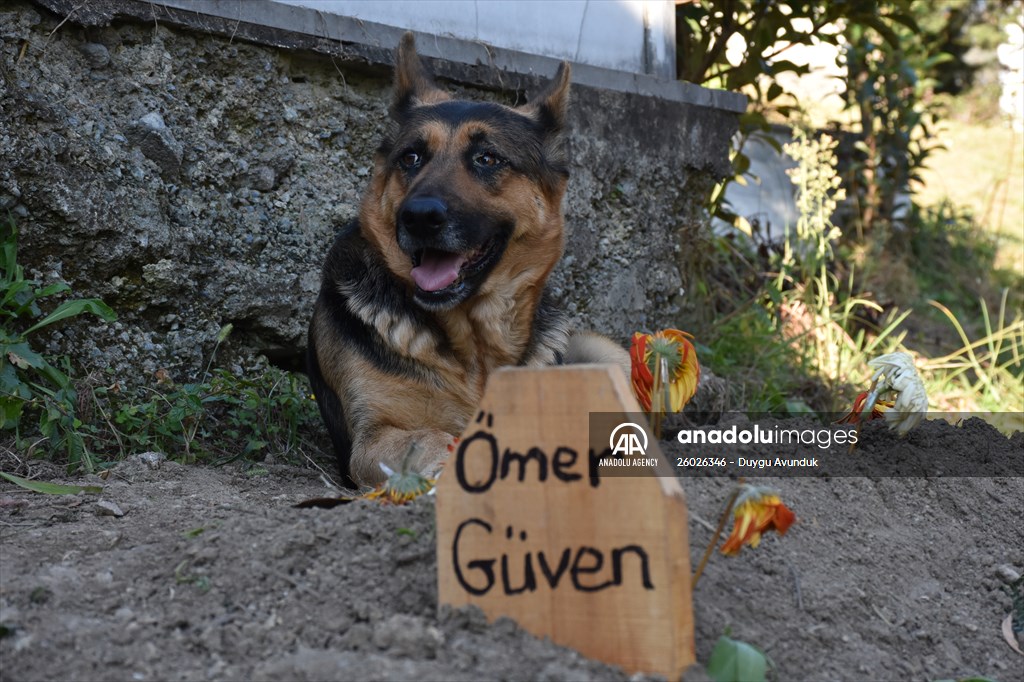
{"x":212,"y":574}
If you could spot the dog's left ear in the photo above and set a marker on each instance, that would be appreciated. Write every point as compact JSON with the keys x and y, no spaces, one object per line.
{"x":551,"y":105}
{"x":413,"y":83}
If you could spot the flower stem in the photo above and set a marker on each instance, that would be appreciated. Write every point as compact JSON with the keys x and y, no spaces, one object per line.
{"x":717,"y":536}
{"x":658,"y":402}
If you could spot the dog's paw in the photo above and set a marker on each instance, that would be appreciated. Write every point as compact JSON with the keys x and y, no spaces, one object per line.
{"x":434,"y":448}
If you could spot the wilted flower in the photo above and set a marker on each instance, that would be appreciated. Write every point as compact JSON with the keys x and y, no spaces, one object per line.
{"x":756,"y":510}
{"x":854,"y":416}
{"x":896,"y":372}
{"x":400,"y":487}
{"x":672,"y":350}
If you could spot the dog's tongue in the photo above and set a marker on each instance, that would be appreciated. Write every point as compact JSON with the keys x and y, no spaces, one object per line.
{"x":437,"y":269}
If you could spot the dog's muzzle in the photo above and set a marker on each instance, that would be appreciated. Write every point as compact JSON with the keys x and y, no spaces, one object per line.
{"x":437,"y":264}
{"x":423,"y":217}
{"x":448,"y":260}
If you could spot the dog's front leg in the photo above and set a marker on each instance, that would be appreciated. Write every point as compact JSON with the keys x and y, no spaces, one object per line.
{"x":390,"y":446}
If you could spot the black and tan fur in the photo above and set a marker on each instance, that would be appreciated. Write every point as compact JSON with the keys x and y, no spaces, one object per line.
{"x":473,"y":184}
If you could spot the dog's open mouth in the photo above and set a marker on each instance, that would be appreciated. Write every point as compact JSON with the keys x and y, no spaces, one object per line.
{"x":437,"y":271}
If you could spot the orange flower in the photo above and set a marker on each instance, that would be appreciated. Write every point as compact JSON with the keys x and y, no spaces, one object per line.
{"x":854,"y":416}
{"x":757,"y":510}
{"x":683,"y":370}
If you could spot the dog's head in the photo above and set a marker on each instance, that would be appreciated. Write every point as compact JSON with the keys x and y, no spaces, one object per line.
{"x":467,"y":195}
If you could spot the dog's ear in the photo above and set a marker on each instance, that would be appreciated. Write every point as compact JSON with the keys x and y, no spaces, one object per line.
{"x":550,"y":107}
{"x":413,"y":84}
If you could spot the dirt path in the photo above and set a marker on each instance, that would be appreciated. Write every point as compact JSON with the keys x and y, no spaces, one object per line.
{"x":211,"y":574}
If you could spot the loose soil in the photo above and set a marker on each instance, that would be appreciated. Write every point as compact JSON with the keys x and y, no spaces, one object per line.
{"x":211,"y":573}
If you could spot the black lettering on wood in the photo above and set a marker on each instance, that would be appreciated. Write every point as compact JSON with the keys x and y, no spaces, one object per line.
{"x":565,"y":458}
{"x":529,"y":579}
{"x":535,"y":454}
{"x":645,"y":569}
{"x":563,"y":564}
{"x":578,"y":568}
{"x":460,"y":462}
{"x":484,"y":565}
{"x":594,"y":462}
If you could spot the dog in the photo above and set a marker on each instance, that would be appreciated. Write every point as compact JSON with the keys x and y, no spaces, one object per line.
{"x":441,"y":278}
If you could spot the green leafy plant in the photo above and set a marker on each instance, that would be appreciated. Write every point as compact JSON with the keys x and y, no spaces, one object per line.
{"x":888,"y":88}
{"x":802,"y":315}
{"x":818,"y":315}
{"x":818,"y":192}
{"x":735,"y":661}
{"x":28,"y":380}
{"x":760,"y":34}
{"x":223,"y":418}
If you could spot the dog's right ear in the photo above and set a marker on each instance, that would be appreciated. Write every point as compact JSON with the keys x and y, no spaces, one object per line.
{"x":413,"y":85}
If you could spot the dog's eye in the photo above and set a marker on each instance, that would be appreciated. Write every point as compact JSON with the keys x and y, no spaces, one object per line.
{"x":487,"y":160}
{"x":409,"y":159}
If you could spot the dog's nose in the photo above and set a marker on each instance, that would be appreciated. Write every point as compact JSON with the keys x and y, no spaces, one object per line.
{"x":423,"y":216}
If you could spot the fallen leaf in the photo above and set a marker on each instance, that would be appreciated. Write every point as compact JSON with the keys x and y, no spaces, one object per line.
{"x":324,"y":502}
{"x":1009,"y":635}
{"x":51,"y":488}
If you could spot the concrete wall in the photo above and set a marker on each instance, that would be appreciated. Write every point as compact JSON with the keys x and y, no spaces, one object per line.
{"x":191,"y":171}
{"x":637,"y":36}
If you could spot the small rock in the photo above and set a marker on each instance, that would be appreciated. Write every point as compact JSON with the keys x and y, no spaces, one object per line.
{"x":151,"y":135}
{"x":407,"y":637}
{"x":357,"y":637}
{"x":12,"y":503}
{"x":1007,"y":573}
{"x":108,"y":508}
{"x":290,"y":114}
{"x":264,"y":179}
{"x":95,"y":54}
{"x":695,"y":673}
{"x":559,"y":671}
{"x":152,"y":459}
{"x":154,"y":121}
{"x":162,"y":276}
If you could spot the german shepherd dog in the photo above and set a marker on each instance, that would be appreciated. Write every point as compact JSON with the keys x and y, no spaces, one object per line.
{"x":441,"y":278}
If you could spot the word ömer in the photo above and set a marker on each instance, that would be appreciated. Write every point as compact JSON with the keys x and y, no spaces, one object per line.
{"x":499,"y":464}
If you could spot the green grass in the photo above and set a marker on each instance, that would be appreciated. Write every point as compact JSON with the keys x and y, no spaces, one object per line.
{"x":982,"y":170}
{"x":220,"y":419}
{"x":985,"y":373}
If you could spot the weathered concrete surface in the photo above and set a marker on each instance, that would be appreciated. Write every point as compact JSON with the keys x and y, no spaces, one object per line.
{"x":194,"y":179}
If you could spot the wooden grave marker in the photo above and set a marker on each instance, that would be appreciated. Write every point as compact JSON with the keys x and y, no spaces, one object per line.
{"x":528,"y":528}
